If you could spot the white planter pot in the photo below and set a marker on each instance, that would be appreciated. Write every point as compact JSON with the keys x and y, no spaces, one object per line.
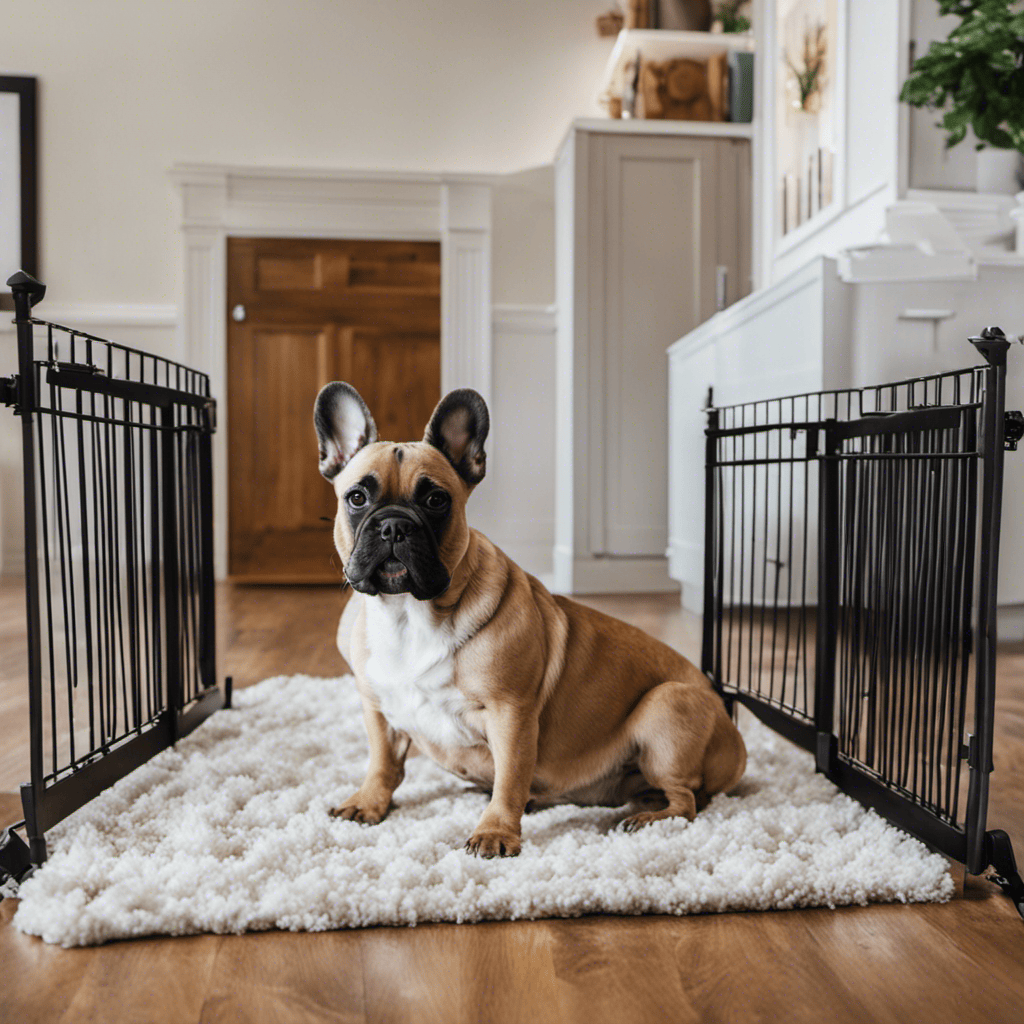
{"x":997,"y":170}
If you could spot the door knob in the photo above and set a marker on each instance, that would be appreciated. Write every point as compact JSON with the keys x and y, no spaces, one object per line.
{"x":238,"y":313}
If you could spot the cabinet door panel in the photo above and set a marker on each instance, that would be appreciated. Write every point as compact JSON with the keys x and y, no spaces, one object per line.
{"x":660,"y":231}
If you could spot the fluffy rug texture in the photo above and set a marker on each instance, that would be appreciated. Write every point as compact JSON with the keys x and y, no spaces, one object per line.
{"x":229,"y":832}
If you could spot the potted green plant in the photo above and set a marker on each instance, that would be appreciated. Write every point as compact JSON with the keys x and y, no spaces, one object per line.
{"x":976,"y":77}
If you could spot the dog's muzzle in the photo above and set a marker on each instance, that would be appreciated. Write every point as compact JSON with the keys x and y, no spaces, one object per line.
{"x":395,"y":552}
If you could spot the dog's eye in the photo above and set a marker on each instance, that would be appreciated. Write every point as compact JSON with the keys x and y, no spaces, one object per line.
{"x":436,"y":501}
{"x":356,"y":499}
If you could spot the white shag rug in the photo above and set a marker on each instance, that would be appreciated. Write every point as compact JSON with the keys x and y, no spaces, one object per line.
{"x":229,"y":832}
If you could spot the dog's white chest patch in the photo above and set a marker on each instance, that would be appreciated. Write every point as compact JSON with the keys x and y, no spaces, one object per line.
{"x":411,"y":667}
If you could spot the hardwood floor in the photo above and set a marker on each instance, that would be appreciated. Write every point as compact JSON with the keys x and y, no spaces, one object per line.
{"x":962,"y":961}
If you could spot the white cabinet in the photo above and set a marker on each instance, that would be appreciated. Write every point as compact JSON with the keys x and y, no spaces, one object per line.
{"x":652,"y":235}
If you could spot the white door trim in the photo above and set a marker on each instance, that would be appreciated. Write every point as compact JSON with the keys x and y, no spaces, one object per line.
{"x":218,"y":202}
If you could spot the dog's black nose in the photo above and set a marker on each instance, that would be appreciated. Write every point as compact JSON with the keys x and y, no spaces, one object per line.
{"x":396,"y":528}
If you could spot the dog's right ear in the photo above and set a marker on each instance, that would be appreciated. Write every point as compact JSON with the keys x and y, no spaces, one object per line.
{"x":343,"y":425}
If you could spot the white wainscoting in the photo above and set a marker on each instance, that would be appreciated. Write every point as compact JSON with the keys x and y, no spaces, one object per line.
{"x":515,"y":504}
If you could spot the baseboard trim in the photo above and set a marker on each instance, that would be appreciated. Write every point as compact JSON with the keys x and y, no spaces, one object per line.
{"x":611,"y":575}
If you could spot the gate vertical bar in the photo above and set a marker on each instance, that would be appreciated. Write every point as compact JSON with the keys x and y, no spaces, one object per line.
{"x":171,"y":594}
{"x":707,"y":650}
{"x":993,"y":346}
{"x":207,"y":606}
{"x":27,"y":292}
{"x":828,"y":601}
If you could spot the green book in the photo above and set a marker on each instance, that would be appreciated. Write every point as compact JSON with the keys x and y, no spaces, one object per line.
{"x":741,"y":86}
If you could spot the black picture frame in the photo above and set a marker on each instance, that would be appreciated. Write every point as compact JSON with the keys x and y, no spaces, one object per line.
{"x":28,"y":213}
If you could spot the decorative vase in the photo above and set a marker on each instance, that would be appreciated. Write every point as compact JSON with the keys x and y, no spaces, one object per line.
{"x":998,"y":170}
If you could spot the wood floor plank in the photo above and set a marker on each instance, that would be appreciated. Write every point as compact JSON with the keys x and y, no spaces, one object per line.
{"x":36,"y":980}
{"x":747,"y":967}
{"x":287,"y":978}
{"x":436,"y":974}
{"x":146,"y":981}
{"x":611,"y":970}
{"x":904,"y":964}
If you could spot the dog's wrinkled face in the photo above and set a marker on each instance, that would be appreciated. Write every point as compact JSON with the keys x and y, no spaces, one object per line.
{"x":401,"y":522}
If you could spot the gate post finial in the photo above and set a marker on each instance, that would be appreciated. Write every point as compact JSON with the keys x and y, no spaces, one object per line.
{"x":992,"y":344}
{"x":25,"y":284}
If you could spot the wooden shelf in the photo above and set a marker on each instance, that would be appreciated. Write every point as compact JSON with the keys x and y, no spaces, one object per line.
{"x":660,"y":44}
{"x":656,"y":126}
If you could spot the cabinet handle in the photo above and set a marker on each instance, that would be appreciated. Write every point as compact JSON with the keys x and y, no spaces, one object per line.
{"x":721,"y":286}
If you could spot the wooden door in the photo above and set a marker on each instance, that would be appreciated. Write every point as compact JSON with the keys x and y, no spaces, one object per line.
{"x":301,"y":313}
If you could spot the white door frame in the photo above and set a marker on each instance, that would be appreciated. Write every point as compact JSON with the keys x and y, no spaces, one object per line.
{"x":218,"y":202}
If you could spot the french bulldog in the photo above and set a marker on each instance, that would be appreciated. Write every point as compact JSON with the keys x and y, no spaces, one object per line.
{"x":534,"y":697}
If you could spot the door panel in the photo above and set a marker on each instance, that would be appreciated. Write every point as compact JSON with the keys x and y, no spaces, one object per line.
{"x":403,"y":398}
{"x":316,"y":311}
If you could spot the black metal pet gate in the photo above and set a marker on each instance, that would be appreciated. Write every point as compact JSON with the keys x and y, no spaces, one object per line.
{"x":118,"y":500}
{"x":850,"y":570}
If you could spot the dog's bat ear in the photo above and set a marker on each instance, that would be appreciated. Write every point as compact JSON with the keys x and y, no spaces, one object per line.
{"x":459,"y":428}
{"x":343,"y":425}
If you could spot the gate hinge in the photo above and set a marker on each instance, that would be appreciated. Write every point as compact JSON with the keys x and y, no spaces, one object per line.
{"x":15,"y":862}
{"x":9,"y":390}
{"x":1013,"y":429}
{"x":970,"y":750}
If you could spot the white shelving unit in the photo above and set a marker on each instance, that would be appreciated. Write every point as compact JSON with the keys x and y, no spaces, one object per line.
{"x":660,"y":44}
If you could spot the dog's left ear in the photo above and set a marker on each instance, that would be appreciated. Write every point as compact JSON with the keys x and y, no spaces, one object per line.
{"x":459,"y":428}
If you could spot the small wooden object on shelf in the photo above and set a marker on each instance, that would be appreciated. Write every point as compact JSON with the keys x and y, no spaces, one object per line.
{"x":620,"y":79}
{"x":639,"y":14}
{"x":674,"y":90}
{"x":718,"y":86}
{"x":610,"y":24}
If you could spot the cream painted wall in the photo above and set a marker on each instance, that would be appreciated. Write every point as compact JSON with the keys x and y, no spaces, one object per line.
{"x":523,"y":221}
{"x":127,"y":90}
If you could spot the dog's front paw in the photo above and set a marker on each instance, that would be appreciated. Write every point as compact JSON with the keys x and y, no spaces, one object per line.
{"x":493,"y":843}
{"x":361,"y":807}
{"x":635,"y":822}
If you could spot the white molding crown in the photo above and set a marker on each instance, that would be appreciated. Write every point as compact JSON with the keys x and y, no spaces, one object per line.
{"x":220,"y":201}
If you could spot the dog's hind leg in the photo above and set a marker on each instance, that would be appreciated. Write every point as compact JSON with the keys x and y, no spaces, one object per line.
{"x":687,"y":747}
